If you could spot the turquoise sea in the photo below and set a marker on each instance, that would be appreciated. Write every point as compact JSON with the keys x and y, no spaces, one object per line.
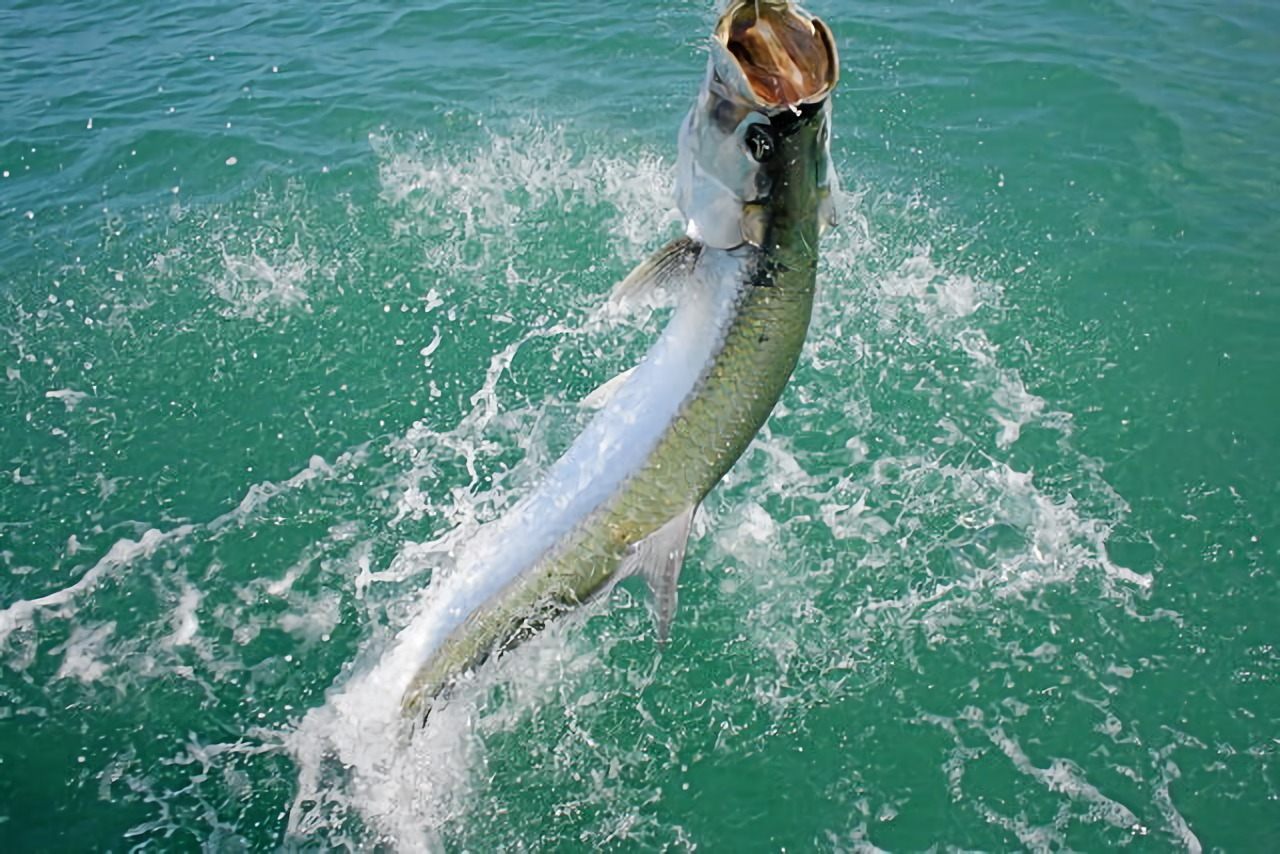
{"x":293,"y":296}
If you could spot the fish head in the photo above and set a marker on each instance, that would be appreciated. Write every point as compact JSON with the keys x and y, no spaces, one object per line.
{"x":760,"y":122}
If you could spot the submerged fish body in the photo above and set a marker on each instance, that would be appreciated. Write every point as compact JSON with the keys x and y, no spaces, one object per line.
{"x":754,"y":187}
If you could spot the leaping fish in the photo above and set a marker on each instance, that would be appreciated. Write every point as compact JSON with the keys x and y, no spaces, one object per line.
{"x":754,"y":185}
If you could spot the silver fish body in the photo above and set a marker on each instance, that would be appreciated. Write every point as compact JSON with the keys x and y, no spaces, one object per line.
{"x":754,"y":186}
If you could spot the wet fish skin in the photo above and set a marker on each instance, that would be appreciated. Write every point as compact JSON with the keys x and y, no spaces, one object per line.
{"x":754,"y":185}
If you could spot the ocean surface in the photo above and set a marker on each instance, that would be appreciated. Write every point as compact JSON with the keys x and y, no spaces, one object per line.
{"x":294,"y":296}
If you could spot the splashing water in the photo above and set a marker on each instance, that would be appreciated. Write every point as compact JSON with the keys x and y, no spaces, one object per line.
{"x":878,"y":518}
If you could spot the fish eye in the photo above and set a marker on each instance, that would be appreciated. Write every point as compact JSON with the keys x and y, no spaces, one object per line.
{"x":759,"y":142}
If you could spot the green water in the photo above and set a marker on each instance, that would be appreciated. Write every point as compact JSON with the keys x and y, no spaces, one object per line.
{"x":292,"y":291}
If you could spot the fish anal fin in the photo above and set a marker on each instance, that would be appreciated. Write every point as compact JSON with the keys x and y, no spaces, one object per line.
{"x":669,"y":264}
{"x":659,"y":557}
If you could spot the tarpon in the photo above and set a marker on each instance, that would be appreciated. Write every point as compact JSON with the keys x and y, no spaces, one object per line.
{"x":753,"y":184}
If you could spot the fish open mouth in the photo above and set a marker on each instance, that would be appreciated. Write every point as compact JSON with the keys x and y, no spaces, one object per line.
{"x":787,"y":56}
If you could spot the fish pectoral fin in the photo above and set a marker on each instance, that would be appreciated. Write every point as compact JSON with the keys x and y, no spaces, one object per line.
{"x":605,"y":391}
{"x":668,"y":265}
{"x":658,"y":557}
{"x":828,"y":211}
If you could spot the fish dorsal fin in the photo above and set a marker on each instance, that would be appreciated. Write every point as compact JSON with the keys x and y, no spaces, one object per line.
{"x":605,"y":391}
{"x":669,"y":264}
{"x":658,"y":557}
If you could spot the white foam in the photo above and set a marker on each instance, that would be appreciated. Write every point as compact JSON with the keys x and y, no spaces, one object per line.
{"x":69,"y":397}
{"x":83,"y":653}
{"x":255,"y":286}
{"x":186,"y":622}
{"x":120,"y":555}
{"x":317,"y":622}
{"x":1015,"y":408}
{"x":126,"y":552}
{"x":459,"y":198}
{"x":259,"y":494}
{"x":1062,"y":776}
